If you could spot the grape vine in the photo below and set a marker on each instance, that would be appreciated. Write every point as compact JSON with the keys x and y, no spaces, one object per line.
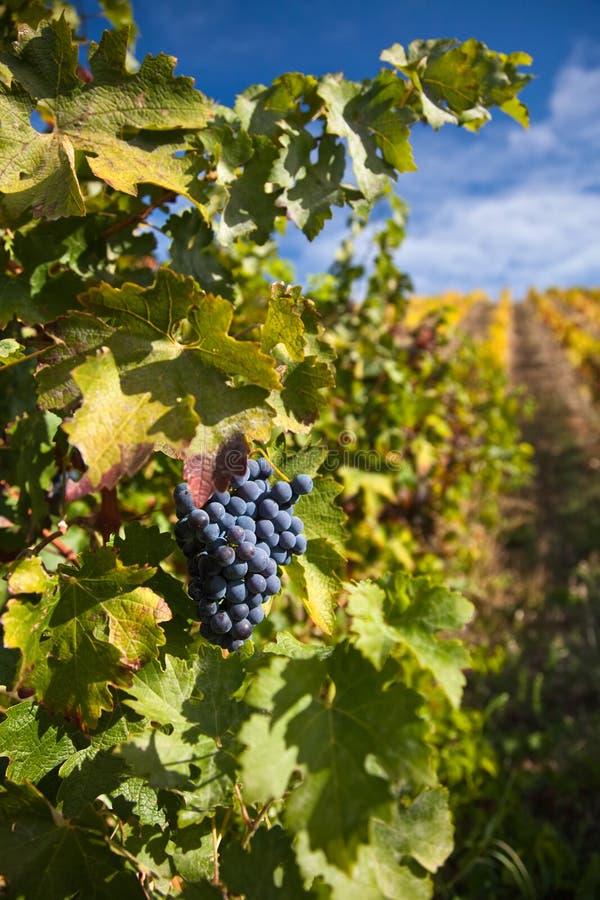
{"x":149,"y":746}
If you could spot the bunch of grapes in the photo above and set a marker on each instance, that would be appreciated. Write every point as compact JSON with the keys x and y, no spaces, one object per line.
{"x":235,"y":545}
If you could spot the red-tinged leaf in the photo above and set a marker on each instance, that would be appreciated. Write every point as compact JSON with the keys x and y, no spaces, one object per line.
{"x":207,"y":472}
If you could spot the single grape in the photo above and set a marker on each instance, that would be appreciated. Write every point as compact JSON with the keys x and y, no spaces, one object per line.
{"x":256,"y":615}
{"x":220,"y":623}
{"x":216,"y":511}
{"x":265,"y":468}
{"x":256,"y":583}
{"x":282,"y":520}
{"x":254,"y":600}
{"x":251,"y":509}
{"x":222,"y":497}
{"x":247,"y":523}
{"x":258,"y":561}
{"x":235,"y":534}
{"x":296,"y":525}
{"x":300,"y":546}
{"x":249,"y":537}
{"x":245,"y":551}
{"x":302,"y":484}
{"x":236,"y":645}
{"x":281,"y":492}
{"x":236,"y":507}
{"x":253,"y":469}
{"x":236,"y":591}
{"x":184,"y":502}
{"x":242,"y":629}
{"x":211,"y":533}
{"x":264,"y":528}
{"x":208,"y":608}
{"x":239,"y":611}
{"x":270,"y":568}
{"x":287,"y":540}
{"x":268,"y":508}
{"x":227,"y":521}
{"x":273,"y":584}
{"x":249,"y":491}
{"x":197,"y":589}
{"x":225,"y":555}
{"x":279,"y":556}
{"x":199,"y":518}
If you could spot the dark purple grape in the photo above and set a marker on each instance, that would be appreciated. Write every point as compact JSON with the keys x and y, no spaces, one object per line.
{"x":254,"y":600}
{"x":282,"y":520}
{"x":296,"y":525}
{"x":216,"y":511}
{"x":236,"y":591}
{"x":267,"y":508}
{"x":242,"y":629}
{"x":256,"y":583}
{"x":222,"y":497}
{"x":264,"y":467}
{"x":281,"y":492}
{"x":300,"y":546}
{"x":198,"y":518}
{"x":245,"y":551}
{"x":249,"y":491}
{"x":256,"y":615}
{"x":247,"y":523}
{"x":225,"y":555}
{"x":184,"y":502}
{"x":253,"y":469}
{"x":264,"y":528}
{"x":235,"y":534}
{"x":287,"y":540}
{"x":258,"y":561}
{"x":235,"y":571}
{"x":302,"y":484}
{"x":251,"y":509}
{"x":236,"y":507}
{"x":273,"y":584}
{"x":239,"y":611}
{"x":220,"y":623}
{"x":211,"y":533}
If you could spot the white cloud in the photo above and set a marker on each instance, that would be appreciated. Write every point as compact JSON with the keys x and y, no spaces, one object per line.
{"x":505,"y":207}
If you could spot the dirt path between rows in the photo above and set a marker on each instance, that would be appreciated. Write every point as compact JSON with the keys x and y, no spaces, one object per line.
{"x":565,"y":433}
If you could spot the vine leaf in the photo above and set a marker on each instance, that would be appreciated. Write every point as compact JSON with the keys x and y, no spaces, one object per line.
{"x":128,"y":125}
{"x":352,"y":714}
{"x":174,"y":377}
{"x":195,"y":699}
{"x":43,"y":855}
{"x":316,"y":574}
{"x":400,"y":613}
{"x":111,"y":429}
{"x":92,"y":628}
{"x":34,"y":743}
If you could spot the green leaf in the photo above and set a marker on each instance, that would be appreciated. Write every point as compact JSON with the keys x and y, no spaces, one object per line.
{"x":172,"y":351}
{"x":399,"y":613}
{"x":316,"y":578}
{"x":284,"y":324}
{"x":10,"y":352}
{"x":128,"y":126}
{"x":267,"y":870}
{"x":33,"y":742}
{"x":353,"y":714}
{"x":422,"y":830}
{"x":375,"y":875}
{"x":116,"y":432}
{"x":43,"y":856}
{"x":91,"y":629}
{"x":195,"y":700}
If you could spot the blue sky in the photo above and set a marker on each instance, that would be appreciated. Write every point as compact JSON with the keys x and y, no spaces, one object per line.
{"x":506,"y":207}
